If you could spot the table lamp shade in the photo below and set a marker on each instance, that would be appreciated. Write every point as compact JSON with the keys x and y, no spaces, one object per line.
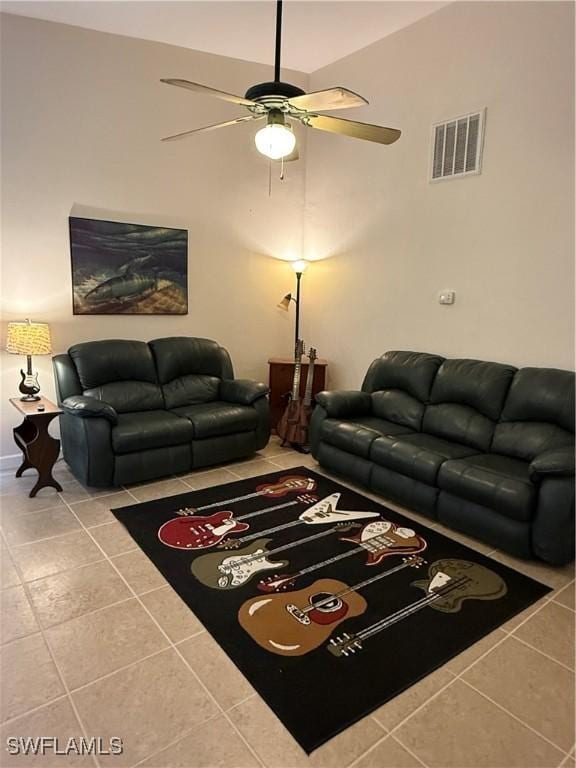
{"x":26,"y":338}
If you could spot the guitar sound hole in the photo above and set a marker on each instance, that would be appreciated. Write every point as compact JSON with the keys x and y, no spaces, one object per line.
{"x":332,"y":603}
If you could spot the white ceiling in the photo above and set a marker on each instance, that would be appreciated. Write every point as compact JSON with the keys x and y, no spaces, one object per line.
{"x":316,"y":32}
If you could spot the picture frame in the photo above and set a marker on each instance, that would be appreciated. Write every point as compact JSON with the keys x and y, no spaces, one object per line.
{"x":120,"y":268}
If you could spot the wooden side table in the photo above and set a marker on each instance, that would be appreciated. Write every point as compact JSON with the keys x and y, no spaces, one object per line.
{"x":280,"y":382}
{"x":40,"y":450}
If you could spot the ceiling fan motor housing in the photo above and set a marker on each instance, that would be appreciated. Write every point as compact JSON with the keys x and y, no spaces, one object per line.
{"x":274,"y":89}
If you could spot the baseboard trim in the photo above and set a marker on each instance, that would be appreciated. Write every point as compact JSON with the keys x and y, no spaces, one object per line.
{"x":12,"y":461}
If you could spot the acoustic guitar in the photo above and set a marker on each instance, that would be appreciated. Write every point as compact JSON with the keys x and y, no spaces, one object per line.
{"x":295,"y":623}
{"x":291,"y":427}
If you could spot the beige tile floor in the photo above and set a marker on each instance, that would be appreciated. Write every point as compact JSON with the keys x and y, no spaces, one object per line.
{"x":95,"y":643}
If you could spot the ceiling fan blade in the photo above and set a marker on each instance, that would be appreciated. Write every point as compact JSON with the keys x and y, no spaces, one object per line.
{"x":207,"y":91}
{"x":333,"y":98}
{"x":366,"y":131}
{"x":212,"y":127}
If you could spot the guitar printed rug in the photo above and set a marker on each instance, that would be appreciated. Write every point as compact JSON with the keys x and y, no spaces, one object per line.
{"x":329,"y":603}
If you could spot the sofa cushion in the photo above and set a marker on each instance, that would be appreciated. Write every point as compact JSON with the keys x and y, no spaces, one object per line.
{"x":149,"y":429}
{"x":491,"y":480}
{"x":538,"y":415}
{"x":418,"y":456}
{"x":119,"y":372}
{"x":218,"y":418}
{"x":399,"y":407}
{"x":466,"y":399}
{"x":411,"y":372}
{"x":190,"y":370}
{"x":357,"y":435}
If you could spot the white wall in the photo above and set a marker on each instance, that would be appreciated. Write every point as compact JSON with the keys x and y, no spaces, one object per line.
{"x":82,"y":115}
{"x":502,"y":240}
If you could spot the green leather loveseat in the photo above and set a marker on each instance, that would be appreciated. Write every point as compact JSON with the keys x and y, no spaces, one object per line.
{"x":485,"y":448}
{"x":135,"y":411}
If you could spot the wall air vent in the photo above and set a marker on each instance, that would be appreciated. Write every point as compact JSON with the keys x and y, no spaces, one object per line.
{"x":457,"y":147}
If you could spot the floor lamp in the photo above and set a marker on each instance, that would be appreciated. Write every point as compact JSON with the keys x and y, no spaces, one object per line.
{"x":299,"y":267}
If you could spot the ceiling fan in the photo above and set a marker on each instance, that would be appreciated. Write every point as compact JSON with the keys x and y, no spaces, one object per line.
{"x":280,"y":103}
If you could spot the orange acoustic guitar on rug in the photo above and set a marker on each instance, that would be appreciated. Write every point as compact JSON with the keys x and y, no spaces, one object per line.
{"x":295,"y":623}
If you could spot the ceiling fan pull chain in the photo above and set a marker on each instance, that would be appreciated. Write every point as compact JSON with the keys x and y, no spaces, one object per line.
{"x":282,"y":169}
{"x":269,"y":178}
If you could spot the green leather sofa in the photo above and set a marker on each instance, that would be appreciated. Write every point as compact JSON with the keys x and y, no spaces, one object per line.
{"x":485,"y":448}
{"x":135,"y":411}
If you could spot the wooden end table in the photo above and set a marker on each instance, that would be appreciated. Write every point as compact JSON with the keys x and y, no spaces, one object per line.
{"x":40,"y":450}
{"x":281,"y":375}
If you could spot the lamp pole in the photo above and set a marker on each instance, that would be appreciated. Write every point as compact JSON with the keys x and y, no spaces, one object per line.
{"x":297,"y":330}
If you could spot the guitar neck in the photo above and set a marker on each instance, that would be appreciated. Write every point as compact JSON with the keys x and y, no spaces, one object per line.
{"x":403,"y":613}
{"x":228,"y":501}
{"x":259,"y":534}
{"x":335,"y":559}
{"x":290,"y":545}
{"x":296,"y":380}
{"x":309,"y":381}
{"x":381,"y":625}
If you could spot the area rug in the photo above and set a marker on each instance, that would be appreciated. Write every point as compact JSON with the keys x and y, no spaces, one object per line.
{"x":329,"y":603}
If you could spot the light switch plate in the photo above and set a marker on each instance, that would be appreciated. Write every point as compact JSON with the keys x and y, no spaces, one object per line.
{"x":447,"y":297}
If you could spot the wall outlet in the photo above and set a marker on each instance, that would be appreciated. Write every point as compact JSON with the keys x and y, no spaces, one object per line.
{"x":447,"y":297}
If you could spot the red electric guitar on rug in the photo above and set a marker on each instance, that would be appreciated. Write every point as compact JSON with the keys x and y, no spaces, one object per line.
{"x":208,"y":531}
{"x":190,"y":532}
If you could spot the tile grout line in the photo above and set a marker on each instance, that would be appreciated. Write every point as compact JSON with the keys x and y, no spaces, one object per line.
{"x":190,"y":732}
{"x":171,"y":644}
{"x":512,"y":636}
{"x":457,"y":676}
{"x":177,"y":741}
{"x":182,"y":658}
{"x":33,"y":710}
{"x":409,"y":750}
{"x":511,"y":714}
{"x":53,"y":657}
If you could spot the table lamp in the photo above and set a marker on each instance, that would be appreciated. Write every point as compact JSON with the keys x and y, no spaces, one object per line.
{"x":299,"y":267}
{"x":27,"y":338}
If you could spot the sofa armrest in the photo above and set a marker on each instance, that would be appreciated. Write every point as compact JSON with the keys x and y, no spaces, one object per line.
{"x":84,"y":407}
{"x":345,"y":403}
{"x":558,"y":462}
{"x":242,"y":391}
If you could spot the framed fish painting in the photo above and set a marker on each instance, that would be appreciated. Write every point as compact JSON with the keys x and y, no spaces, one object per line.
{"x":128,"y":269}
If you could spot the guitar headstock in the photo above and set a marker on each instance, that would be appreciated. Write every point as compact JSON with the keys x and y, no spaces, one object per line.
{"x":414,"y":561}
{"x":345,"y":645}
{"x":312,"y":355}
{"x":307,"y":498}
{"x":287,"y":484}
{"x":186,"y":511}
{"x":344,"y":527}
{"x":299,"y":350}
{"x":229,"y":544}
{"x":277,"y":583}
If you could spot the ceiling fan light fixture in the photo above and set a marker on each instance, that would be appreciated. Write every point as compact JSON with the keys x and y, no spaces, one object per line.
{"x":276,"y":140}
